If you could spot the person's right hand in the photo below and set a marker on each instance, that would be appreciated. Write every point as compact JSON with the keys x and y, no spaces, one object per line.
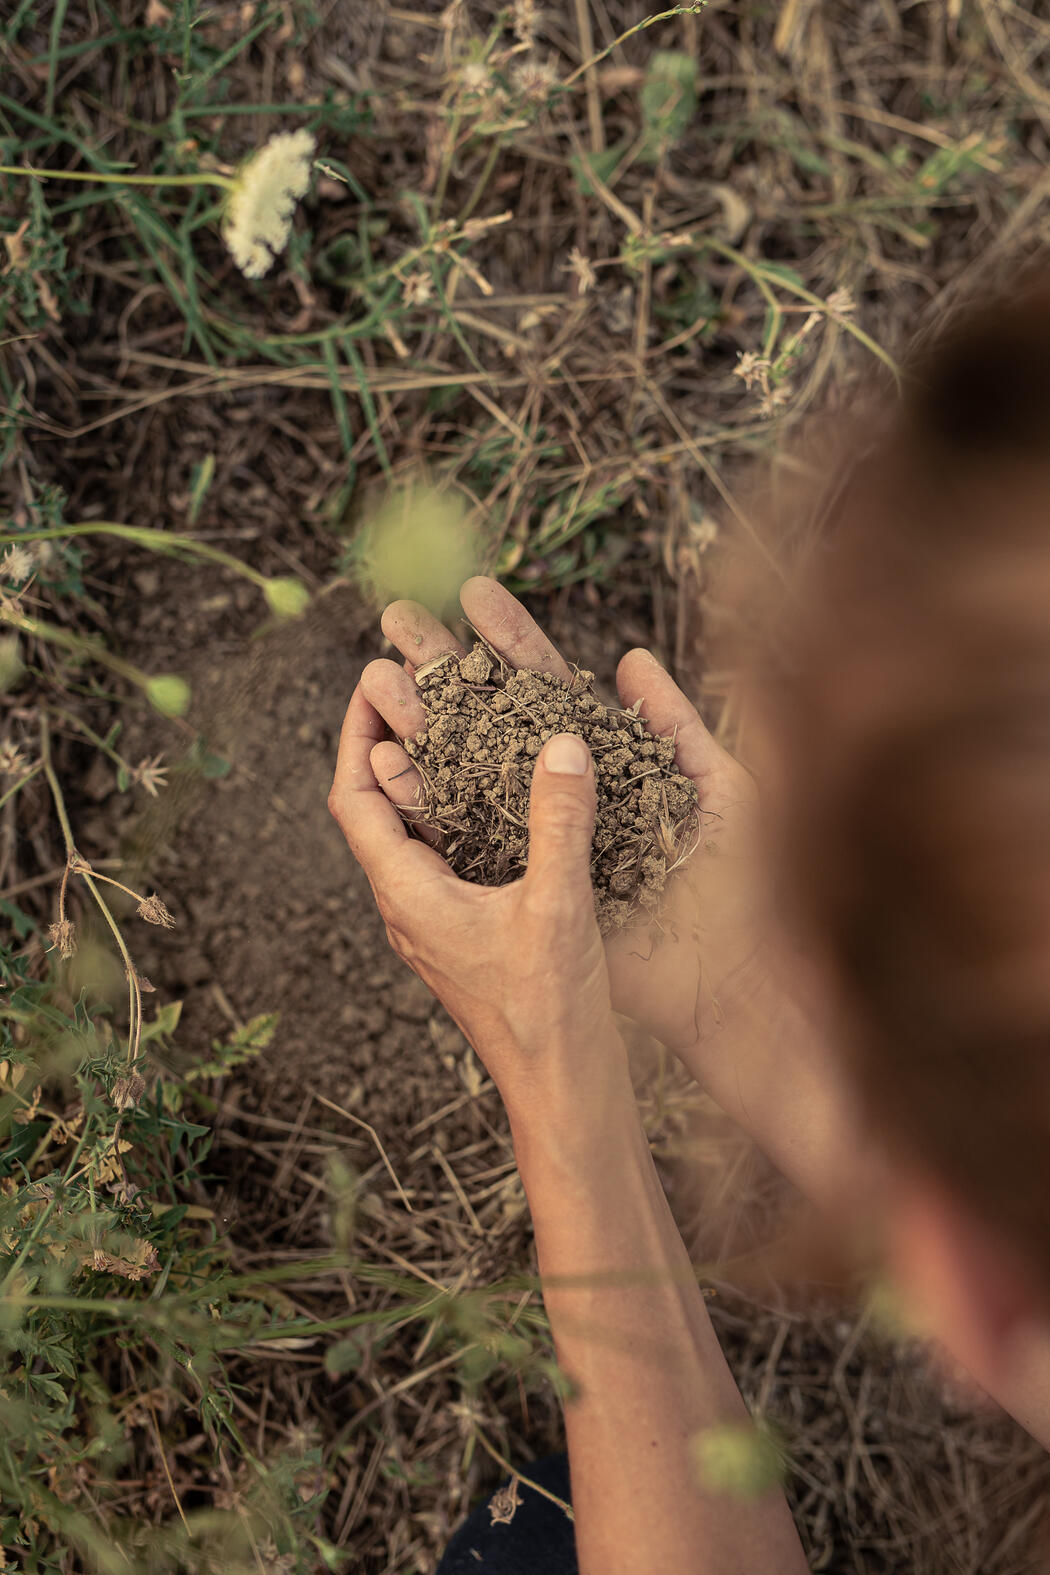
{"x":667,"y":974}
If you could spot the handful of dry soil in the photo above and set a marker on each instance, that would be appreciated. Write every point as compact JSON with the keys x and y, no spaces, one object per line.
{"x":486,"y":725}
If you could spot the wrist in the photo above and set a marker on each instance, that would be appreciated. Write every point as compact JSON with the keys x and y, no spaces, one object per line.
{"x":576,"y":1115}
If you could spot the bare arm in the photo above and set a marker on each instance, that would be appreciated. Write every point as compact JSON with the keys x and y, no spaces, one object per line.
{"x":522,"y":970}
{"x":632,"y":1332}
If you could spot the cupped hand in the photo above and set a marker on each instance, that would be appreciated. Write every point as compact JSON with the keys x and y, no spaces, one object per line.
{"x":520,"y":967}
{"x":669,"y":973}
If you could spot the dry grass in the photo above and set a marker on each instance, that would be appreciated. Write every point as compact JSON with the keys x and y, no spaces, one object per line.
{"x":572,"y":372}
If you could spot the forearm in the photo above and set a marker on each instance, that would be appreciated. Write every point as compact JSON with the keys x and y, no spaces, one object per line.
{"x":769,"y":1058}
{"x":632,"y":1333}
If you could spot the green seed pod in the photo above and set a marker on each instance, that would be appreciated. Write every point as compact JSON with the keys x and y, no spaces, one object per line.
{"x":737,"y":1459}
{"x":287,"y":598}
{"x":169,"y":694}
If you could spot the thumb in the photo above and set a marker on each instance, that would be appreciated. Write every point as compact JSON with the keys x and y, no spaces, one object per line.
{"x":561,"y":820}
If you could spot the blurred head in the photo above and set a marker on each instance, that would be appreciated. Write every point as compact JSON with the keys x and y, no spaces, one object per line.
{"x":907,"y":687}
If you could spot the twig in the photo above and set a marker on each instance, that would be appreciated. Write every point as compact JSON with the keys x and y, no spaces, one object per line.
{"x":526,"y":1481}
{"x":374,"y":1135}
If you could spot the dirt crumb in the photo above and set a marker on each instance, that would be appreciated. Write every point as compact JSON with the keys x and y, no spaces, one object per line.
{"x":486,"y":723}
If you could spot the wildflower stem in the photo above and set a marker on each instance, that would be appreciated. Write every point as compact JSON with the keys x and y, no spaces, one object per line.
{"x":56,"y":791}
{"x":495,"y":149}
{"x":74,"y":862}
{"x":30,"y":774}
{"x":89,"y":733}
{"x":89,"y":869}
{"x":95,"y":178}
{"x":134,"y":993}
{"x":162,"y":541}
{"x":80,"y":645}
{"x":762,"y":279}
{"x":647,"y":21}
{"x":167,"y":1468}
{"x":491,"y":1449}
{"x":446,"y":163}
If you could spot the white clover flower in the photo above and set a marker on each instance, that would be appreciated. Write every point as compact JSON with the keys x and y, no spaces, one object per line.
{"x":17,"y":564}
{"x":266,"y":189}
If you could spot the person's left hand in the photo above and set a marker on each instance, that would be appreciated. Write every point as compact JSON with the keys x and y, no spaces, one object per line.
{"x":521,"y":968}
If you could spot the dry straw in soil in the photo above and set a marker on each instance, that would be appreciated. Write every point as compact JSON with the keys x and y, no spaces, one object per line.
{"x":486,"y":724}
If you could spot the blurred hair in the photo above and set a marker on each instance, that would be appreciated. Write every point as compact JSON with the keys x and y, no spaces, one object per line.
{"x":906,"y":681}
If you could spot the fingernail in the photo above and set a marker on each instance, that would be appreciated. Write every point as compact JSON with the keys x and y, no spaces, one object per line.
{"x":567,"y":755}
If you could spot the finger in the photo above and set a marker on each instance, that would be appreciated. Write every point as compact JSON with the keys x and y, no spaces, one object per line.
{"x":418,"y":635}
{"x":501,"y":619}
{"x":403,"y":786}
{"x":669,"y":712}
{"x":561,"y":823}
{"x":369,"y":822}
{"x":391,"y":692}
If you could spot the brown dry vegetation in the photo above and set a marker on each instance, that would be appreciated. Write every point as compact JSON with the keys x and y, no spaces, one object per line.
{"x":597,"y":430}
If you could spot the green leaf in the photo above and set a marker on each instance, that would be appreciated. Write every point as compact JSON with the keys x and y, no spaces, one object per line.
{"x":48,"y":1384}
{"x":165,"y":1022}
{"x":23,"y":924}
{"x":774,"y":271}
{"x":342,"y":1357}
{"x":242,"y":1046}
{"x":668,"y":101}
{"x":602,"y":163}
{"x":200,"y":481}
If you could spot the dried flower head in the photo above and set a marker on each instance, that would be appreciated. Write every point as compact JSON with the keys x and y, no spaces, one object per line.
{"x":475,"y":76}
{"x":154,"y":912}
{"x":583,"y":269}
{"x":259,"y":214}
{"x":535,"y":81}
{"x":150,"y":774}
{"x":417,"y":288}
{"x":63,"y":935}
{"x":525,"y":17}
{"x":12,"y":759}
{"x":127,"y":1091}
{"x":17,"y":564}
{"x":140,"y":1260}
{"x":750,"y":367}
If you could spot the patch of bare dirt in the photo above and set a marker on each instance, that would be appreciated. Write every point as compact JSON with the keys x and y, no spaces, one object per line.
{"x":274,"y":915}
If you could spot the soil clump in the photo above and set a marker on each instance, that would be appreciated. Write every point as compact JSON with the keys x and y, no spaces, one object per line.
{"x":487,"y":723}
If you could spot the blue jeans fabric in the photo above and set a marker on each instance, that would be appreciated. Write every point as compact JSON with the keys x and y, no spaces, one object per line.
{"x":537,"y":1541}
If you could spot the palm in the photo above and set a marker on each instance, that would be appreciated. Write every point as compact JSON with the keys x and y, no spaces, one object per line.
{"x":664,"y":973}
